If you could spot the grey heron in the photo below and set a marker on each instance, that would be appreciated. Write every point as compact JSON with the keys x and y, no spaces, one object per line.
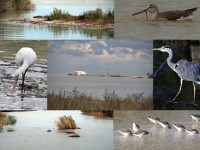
{"x":186,"y":70}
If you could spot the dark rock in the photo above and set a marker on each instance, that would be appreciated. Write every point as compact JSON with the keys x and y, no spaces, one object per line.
{"x":74,"y":135}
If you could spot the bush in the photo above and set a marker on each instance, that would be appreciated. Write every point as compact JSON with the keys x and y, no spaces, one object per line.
{"x":58,"y":14}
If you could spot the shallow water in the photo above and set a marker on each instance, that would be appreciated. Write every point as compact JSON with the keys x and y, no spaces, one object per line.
{"x":96,"y":86}
{"x":34,"y":98}
{"x":137,"y":27}
{"x":12,"y":30}
{"x":161,"y":138}
{"x":31,"y":132}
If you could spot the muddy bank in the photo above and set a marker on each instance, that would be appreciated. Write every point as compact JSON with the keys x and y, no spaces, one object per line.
{"x":42,"y":20}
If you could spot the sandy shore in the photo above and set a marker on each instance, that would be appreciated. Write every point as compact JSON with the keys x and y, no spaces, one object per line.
{"x":75,"y":24}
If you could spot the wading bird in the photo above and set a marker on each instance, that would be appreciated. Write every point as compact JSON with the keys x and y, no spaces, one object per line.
{"x":126,"y":132}
{"x":141,"y":133}
{"x":168,"y":15}
{"x":186,"y":70}
{"x":25,"y":57}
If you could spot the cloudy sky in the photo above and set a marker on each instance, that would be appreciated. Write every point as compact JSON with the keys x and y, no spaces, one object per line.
{"x":126,"y":57}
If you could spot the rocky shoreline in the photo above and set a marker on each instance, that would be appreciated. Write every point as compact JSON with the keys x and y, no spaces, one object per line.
{"x":43,"y":20}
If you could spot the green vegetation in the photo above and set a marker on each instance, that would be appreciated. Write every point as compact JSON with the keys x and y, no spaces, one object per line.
{"x":6,"y":120}
{"x":65,"y":122}
{"x":15,"y":5}
{"x":92,"y":16}
{"x":76,"y":100}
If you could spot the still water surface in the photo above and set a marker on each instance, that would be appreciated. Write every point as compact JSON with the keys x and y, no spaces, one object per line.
{"x":31,"y":132}
{"x":137,"y":27}
{"x":12,"y":30}
{"x":96,"y":86}
{"x":167,"y":139}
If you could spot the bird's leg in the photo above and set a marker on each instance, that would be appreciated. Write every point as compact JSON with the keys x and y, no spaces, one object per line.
{"x":23,"y":78}
{"x":194,"y":91}
{"x":178,"y":91}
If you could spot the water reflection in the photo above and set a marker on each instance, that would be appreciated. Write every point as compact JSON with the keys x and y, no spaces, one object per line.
{"x":13,"y":30}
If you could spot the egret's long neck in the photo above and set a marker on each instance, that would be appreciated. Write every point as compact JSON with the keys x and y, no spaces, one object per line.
{"x":169,"y":60}
{"x":22,"y":69}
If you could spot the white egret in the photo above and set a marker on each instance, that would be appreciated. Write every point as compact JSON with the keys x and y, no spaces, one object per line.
{"x":25,"y":57}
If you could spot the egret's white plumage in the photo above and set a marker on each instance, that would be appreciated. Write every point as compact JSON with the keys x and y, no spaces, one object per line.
{"x":25,"y":57}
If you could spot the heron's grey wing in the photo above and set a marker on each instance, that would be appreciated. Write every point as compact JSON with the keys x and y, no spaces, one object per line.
{"x":177,"y":14}
{"x":188,"y":70}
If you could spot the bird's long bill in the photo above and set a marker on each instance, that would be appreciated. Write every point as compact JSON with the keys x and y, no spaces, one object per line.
{"x":145,"y":10}
{"x":156,"y":49}
{"x":15,"y":84}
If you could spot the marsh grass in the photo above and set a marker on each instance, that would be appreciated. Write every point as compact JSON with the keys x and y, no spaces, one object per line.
{"x":76,"y":100}
{"x":15,"y":5}
{"x":98,"y":113}
{"x":65,"y":122}
{"x":58,"y":14}
{"x":92,"y":16}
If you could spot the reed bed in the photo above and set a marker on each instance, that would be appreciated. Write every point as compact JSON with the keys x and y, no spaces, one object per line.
{"x":16,"y":5}
{"x":98,"y":113}
{"x":92,"y":16}
{"x":76,"y":100}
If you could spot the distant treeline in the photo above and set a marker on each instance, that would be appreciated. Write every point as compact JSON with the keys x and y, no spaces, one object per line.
{"x":15,"y":5}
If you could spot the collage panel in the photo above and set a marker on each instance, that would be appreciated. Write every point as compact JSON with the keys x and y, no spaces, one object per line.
{"x":158,"y":19}
{"x":176,"y":74}
{"x":57,"y":19}
{"x":100,"y":75}
{"x":50,"y":130}
{"x":23,"y":75}
{"x":156,"y":130}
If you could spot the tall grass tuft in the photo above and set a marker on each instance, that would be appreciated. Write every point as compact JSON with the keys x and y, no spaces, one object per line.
{"x":58,"y":14}
{"x":76,"y":100}
{"x":65,"y":122}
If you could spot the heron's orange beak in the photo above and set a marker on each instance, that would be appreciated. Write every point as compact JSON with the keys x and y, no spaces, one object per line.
{"x":156,"y":49}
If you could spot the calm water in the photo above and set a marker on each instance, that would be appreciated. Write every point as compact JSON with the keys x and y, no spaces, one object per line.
{"x":31,"y":132}
{"x":166,"y":85}
{"x":12,"y":30}
{"x":96,"y":86}
{"x":161,"y":138}
{"x":34,"y":98}
{"x":137,"y":27}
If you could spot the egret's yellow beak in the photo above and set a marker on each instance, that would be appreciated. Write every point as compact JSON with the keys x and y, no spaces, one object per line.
{"x":156,"y":49}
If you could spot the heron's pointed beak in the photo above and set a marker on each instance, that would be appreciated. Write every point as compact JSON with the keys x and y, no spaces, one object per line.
{"x":15,"y":84}
{"x":145,"y":10}
{"x":157,"y":49}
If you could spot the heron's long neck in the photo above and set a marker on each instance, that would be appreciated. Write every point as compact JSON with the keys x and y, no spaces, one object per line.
{"x":169,"y":60}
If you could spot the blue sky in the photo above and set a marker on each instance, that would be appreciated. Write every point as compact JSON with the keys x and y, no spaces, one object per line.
{"x":129,"y":57}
